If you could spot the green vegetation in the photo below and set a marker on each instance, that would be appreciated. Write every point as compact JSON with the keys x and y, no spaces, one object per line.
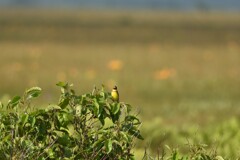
{"x":75,"y":128}
{"x":88,"y":126}
{"x":181,"y":70}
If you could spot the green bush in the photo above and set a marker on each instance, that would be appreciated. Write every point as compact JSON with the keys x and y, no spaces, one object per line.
{"x":89,"y":126}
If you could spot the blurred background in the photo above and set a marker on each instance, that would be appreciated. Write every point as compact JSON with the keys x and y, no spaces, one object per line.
{"x":176,"y":61}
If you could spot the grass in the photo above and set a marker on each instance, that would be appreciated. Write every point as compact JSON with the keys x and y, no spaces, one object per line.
{"x":180,"y":69}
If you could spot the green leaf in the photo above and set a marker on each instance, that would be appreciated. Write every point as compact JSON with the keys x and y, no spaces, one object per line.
{"x":102,"y":119}
{"x":136,"y":133}
{"x":78,"y":110}
{"x":219,"y":158}
{"x":98,"y":144}
{"x":41,"y":158}
{"x":62,"y":84}
{"x":33,"y":92}
{"x":64,"y":140}
{"x":205,"y":157}
{"x":185,"y":158}
{"x":24,"y":119}
{"x":103,"y":95}
{"x":50,"y":153}
{"x":63,"y":103}
{"x":67,"y":153}
{"x":115,"y":108}
{"x":15,"y":101}
{"x":32,"y":120}
{"x":139,"y":136}
{"x":129,"y":107}
{"x":169,"y":148}
{"x":131,"y":118}
{"x":108,"y":106}
{"x":96,"y":108}
{"x":103,"y":87}
{"x":108,"y":145}
{"x":1,"y":105}
{"x":54,"y":107}
{"x":175,"y":156}
{"x":65,"y":130}
{"x":132,"y":157}
{"x":124,"y":136}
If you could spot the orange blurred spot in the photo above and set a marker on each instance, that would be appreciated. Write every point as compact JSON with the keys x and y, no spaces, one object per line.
{"x":115,"y":65}
{"x":164,"y":74}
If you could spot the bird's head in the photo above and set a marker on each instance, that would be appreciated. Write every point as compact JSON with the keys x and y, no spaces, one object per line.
{"x":115,"y":87}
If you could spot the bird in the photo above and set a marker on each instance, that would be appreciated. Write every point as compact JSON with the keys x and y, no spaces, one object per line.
{"x":115,"y":94}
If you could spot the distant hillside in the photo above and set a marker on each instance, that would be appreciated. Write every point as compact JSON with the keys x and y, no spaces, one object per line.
{"x":148,"y":4}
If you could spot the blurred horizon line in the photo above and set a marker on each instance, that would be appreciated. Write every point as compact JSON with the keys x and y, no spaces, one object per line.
{"x":174,"y":5}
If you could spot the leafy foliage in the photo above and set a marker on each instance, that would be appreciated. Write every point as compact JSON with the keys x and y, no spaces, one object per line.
{"x":214,"y":140}
{"x":197,"y":152}
{"x":88,"y":126}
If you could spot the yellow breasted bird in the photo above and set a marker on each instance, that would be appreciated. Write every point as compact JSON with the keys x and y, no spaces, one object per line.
{"x":115,"y":94}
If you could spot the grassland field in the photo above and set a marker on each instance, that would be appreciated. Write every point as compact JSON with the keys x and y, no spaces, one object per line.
{"x":180,"y":70}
